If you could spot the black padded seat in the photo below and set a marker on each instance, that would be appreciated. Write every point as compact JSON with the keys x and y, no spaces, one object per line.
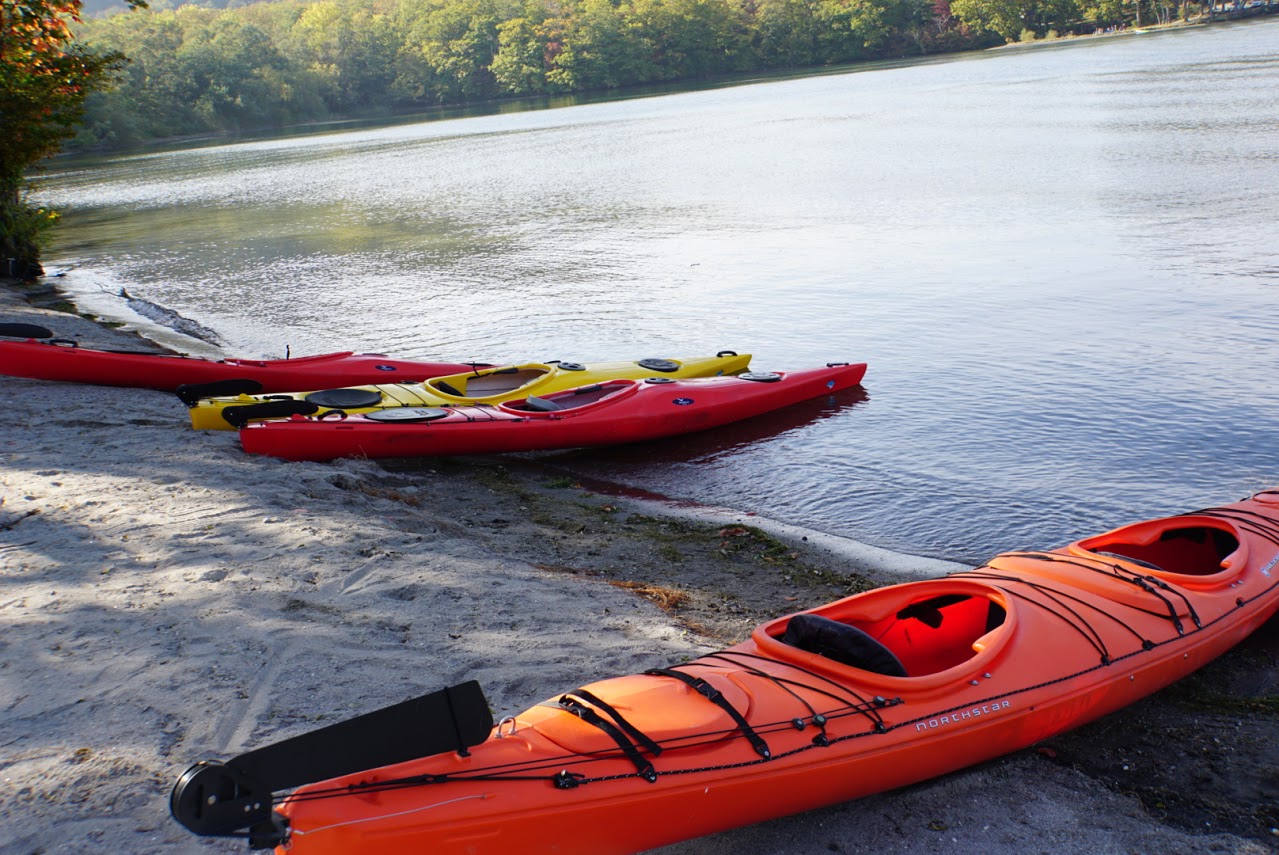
{"x":540,"y":405}
{"x":842,"y":642}
{"x":343,"y":399}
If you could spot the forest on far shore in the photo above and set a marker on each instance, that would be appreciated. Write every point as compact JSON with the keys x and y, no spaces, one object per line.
{"x":196,"y":70}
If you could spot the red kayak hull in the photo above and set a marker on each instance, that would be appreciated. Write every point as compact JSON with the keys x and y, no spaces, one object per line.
{"x":40,"y":360}
{"x":616,"y":412}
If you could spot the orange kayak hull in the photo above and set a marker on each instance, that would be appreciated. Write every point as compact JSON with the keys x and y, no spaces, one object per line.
{"x":861,"y":695}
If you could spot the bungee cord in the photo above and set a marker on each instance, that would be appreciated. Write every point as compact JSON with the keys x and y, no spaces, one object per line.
{"x":869,"y":708}
{"x":1138,"y":580}
{"x":1080,"y":624}
{"x":1253,"y":522}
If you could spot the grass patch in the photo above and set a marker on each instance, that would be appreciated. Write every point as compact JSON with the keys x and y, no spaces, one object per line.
{"x":667,"y":599}
{"x":1204,"y":699}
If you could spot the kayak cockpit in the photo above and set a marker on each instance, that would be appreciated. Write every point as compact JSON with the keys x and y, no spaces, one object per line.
{"x":1186,"y":550}
{"x":486,"y":384}
{"x":573,"y":399}
{"x":921,"y":632}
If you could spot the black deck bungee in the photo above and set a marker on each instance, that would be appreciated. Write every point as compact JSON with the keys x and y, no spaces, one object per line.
{"x":715,"y":696}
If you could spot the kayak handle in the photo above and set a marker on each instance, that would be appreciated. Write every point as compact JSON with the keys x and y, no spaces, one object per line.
{"x":214,"y":799}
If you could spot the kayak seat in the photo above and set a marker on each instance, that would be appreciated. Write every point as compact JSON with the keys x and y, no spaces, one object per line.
{"x":540,"y":405}
{"x":501,"y":381}
{"x":842,"y":642}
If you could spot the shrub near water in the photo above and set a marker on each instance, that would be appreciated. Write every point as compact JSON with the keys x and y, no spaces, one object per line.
{"x":23,"y":231}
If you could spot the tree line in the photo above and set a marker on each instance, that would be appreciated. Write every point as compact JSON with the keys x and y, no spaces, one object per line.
{"x":194,"y":69}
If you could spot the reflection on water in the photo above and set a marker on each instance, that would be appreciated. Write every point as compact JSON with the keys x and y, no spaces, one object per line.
{"x":1059,"y":264}
{"x":780,"y":428}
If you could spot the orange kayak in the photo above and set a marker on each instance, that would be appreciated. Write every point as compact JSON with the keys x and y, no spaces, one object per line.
{"x":868,"y":693}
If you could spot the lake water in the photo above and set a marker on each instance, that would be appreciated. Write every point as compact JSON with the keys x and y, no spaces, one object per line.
{"x":1061,"y":265}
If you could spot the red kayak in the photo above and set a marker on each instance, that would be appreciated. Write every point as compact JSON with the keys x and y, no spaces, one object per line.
{"x":610,"y":413}
{"x":58,"y":359}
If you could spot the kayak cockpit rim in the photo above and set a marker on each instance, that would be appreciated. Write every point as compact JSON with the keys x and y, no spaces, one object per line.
{"x":1191,"y":551}
{"x":941,"y":631}
{"x":572,"y":400}
{"x":490,"y":382}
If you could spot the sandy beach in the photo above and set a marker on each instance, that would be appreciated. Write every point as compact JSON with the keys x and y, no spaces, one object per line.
{"x":165,"y":597}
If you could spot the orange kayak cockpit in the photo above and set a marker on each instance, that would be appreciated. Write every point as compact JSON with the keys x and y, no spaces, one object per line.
{"x":1195,"y":551}
{"x":918,"y":635}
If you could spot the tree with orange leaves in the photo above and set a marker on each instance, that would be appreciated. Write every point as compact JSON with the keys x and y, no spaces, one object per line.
{"x":45,"y":75}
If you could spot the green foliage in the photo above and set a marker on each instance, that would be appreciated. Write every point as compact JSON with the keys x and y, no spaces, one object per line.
{"x":519,"y":66}
{"x":604,"y":46}
{"x":1107,"y":13}
{"x":786,"y":33}
{"x":1018,"y":20}
{"x":200,"y":69}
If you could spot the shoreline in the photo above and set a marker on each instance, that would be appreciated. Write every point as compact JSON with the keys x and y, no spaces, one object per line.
{"x":167,"y":597}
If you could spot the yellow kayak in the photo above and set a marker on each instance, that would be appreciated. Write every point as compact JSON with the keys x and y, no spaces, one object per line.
{"x":479,"y":386}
